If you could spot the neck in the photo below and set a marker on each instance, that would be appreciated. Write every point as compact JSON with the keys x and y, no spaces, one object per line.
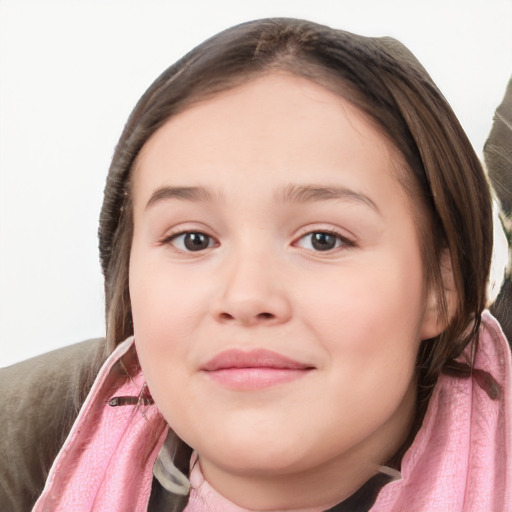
{"x":298,"y":491}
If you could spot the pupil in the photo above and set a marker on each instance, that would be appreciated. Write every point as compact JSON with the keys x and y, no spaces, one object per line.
{"x":323,"y":241}
{"x":196,"y":241}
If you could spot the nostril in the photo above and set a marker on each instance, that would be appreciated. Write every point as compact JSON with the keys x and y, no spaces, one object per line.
{"x":248,"y":319}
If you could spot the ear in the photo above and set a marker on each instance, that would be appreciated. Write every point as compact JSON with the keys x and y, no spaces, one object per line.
{"x":433,"y":322}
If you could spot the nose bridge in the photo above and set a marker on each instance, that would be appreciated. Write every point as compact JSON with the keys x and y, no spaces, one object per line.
{"x":251,"y":291}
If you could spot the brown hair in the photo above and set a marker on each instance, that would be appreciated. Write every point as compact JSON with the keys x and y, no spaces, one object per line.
{"x":382,"y":78}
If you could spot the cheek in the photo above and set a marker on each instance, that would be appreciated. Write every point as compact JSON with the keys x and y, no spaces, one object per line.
{"x":165,"y":309}
{"x":161,"y":336}
{"x":368,"y":299}
{"x":370,"y":315}
{"x":371,"y":331}
{"x":165,"y":303}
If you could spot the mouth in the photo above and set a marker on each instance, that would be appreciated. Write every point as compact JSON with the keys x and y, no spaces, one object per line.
{"x":256,"y":369}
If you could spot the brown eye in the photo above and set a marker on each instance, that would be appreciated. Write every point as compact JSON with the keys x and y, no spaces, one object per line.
{"x":321,"y":241}
{"x":192,"y":241}
{"x":324,"y":241}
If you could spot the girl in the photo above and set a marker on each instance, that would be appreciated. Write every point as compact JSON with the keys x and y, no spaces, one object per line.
{"x":295,"y":238}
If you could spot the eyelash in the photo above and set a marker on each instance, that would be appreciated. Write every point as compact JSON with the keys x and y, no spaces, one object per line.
{"x":342,"y":242}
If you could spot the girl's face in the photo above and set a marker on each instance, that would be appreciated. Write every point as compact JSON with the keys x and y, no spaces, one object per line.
{"x":277,"y":288}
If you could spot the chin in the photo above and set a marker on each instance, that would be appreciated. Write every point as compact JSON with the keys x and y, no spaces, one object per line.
{"x":250,"y":455}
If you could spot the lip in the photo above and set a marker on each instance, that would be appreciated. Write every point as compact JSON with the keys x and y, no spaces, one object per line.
{"x":256,"y":369}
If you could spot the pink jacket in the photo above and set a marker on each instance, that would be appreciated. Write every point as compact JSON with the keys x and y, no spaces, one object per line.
{"x":459,"y":461}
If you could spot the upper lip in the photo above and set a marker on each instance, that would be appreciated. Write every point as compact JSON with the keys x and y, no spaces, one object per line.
{"x":258,"y":358}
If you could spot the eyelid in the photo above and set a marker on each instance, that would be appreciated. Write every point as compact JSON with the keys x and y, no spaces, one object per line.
{"x":186,"y":227}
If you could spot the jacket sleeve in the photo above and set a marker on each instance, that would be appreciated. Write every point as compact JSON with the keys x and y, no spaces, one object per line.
{"x":40,"y":399}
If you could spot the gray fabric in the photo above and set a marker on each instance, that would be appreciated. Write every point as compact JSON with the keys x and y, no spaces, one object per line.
{"x":40,"y":399}
{"x":165,"y":470}
{"x":498,"y":160}
{"x":498,"y":152}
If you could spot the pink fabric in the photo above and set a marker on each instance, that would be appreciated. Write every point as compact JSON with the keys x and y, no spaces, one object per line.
{"x":459,"y":461}
{"x":106,"y":464}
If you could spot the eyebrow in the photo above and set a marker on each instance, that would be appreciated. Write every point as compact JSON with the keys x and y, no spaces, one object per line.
{"x":313,"y":193}
{"x":289,"y":194}
{"x":184,"y":193}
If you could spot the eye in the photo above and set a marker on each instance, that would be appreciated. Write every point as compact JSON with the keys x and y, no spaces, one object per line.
{"x":191,"y":241}
{"x":322,"y":241}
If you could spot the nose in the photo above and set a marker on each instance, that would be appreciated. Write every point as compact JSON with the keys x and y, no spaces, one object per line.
{"x":251,"y":293}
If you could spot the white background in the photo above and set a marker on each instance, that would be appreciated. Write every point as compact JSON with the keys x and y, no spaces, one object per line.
{"x":71,"y":71}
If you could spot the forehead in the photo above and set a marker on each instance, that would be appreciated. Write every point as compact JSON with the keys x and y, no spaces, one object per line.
{"x":277,"y":125}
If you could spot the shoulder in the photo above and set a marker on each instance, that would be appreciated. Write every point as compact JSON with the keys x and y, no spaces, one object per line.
{"x":40,"y":400}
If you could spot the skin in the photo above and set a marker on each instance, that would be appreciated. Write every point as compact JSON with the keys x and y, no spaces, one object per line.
{"x":355,"y":314}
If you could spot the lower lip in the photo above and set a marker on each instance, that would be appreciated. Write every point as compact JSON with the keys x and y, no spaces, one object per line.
{"x":247,"y":379}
